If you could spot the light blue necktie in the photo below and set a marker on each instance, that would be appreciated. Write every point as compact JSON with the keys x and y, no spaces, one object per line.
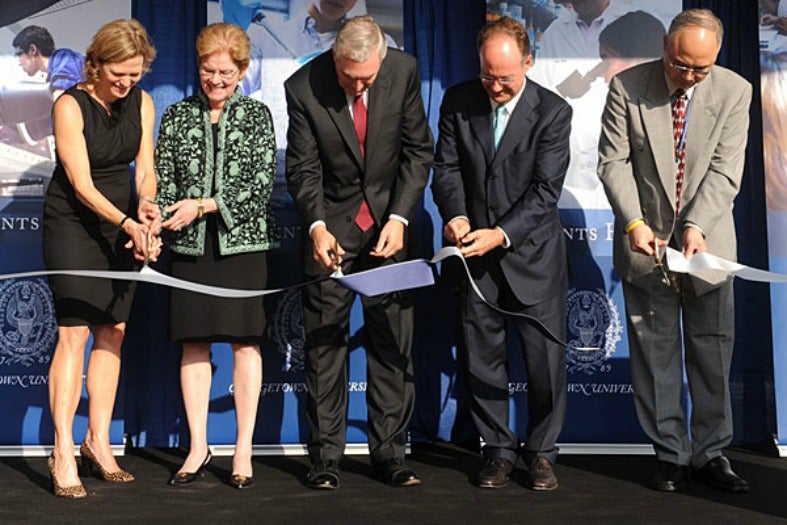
{"x":500,"y":123}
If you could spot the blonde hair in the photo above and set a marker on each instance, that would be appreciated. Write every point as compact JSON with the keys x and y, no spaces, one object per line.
{"x":358,"y":37}
{"x":118,"y":41}
{"x":219,"y":37}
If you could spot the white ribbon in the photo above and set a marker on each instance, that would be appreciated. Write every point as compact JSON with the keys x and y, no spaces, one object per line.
{"x":676,"y":262}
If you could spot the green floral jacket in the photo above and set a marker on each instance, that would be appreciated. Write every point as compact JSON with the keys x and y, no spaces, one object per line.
{"x":244,"y":169}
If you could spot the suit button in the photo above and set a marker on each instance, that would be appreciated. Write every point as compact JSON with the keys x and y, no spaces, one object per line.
{"x":492,"y":207}
{"x":348,"y":218}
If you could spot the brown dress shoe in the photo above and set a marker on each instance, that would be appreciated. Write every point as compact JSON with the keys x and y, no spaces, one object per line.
{"x":541,"y":476}
{"x":494,"y":474}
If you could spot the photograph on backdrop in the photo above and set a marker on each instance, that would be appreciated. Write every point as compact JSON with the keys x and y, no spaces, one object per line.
{"x":285,"y":35}
{"x":773,"y":64}
{"x":577,"y":47}
{"x":40,"y":57}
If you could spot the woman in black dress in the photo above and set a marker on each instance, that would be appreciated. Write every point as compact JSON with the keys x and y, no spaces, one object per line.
{"x":91,"y":223}
{"x":216,"y":160}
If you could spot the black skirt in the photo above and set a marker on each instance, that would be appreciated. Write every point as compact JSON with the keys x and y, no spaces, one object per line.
{"x":196,"y":317}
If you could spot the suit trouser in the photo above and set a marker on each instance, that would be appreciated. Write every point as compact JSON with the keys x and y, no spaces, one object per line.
{"x":486,"y":359}
{"x":655,"y":313}
{"x":388,"y":328}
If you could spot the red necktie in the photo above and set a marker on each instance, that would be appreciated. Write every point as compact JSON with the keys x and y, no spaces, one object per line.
{"x":363,"y":218}
{"x":678,"y":132}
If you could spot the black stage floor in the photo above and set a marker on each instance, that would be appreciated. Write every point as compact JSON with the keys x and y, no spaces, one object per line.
{"x":593,"y":489}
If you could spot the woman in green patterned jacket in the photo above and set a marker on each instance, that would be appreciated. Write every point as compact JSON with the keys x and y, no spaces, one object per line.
{"x":216,"y":160}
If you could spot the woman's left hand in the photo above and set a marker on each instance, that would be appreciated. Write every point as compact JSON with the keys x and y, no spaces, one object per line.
{"x":182,"y":213}
{"x":149,"y":214}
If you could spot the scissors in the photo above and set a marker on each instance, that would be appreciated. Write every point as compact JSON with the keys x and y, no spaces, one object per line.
{"x":659,"y":255}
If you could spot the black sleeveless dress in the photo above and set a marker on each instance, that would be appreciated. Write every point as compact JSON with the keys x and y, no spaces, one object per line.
{"x":75,"y":238}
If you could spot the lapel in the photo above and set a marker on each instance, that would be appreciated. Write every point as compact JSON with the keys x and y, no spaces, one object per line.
{"x":481,"y":123}
{"x":702,"y":118}
{"x":656,"y":114}
{"x":520,"y":122}
{"x":335,"y":104}
{"x":379,"y":97}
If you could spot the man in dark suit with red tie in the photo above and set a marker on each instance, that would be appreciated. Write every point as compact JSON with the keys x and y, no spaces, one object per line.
{"x":359,"y":150}
{"x":502,"y":156}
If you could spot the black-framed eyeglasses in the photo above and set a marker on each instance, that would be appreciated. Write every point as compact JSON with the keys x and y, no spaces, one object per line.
{"x":503,"y":81}
{"x":697,"y":71}
{"x":18,"y":53}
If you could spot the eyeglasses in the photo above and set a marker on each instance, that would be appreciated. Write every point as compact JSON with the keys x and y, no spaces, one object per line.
{"x":503,"y":81}
{"x":19,"y":53}
{"x":697,"y":71}
{"x":227,"y":74}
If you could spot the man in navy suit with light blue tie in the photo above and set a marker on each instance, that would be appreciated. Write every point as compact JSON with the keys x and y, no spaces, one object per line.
{"x":502,"y":156}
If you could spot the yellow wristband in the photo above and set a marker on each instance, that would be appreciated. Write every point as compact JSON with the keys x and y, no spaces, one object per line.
{"x":200,"y":208}
{"x":634,"y":225}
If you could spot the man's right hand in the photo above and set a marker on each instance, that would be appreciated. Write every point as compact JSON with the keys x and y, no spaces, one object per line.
{"x":456,"y":229}
{"x":327,"y":251}
{"x":643,"y":240}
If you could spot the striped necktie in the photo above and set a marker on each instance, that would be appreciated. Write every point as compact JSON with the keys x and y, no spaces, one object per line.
{"x":678,"y":132}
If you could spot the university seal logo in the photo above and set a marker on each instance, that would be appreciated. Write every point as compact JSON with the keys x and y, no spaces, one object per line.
{"x":27,"y":322}
{"x":594,"y":330}
{"x":288,"y":330}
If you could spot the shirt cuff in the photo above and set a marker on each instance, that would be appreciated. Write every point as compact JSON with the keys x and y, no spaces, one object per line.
{"x":687,"y":223}
{"x":506,"y":240}
{"x":314,"y":225}
{"x":399,"y":218}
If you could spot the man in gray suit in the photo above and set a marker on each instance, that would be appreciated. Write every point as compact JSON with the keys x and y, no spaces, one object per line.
{"x":670,"y":159}
{"x":501,"y":160}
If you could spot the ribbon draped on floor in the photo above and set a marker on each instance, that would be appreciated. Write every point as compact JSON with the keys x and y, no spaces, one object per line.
{"x":404,"y":276}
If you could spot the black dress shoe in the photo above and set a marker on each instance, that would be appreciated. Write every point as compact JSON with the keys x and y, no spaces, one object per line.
{"x":669,"y":477}
{"x":323,"y":475}
{"x":395,"y":472}
{"x":181,"y":478}
{"x":719,"y":474}
{"x":494,"y":474}
{"x":241,"y":482}
{"x":541,"y":475}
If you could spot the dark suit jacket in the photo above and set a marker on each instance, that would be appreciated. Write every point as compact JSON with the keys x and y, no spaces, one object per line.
{"x":516,"y":187}
{"x":326,"y":174}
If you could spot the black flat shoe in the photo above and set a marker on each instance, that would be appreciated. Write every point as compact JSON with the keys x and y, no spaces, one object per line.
{"x":181,"y":478}
{"x":241,"y":482}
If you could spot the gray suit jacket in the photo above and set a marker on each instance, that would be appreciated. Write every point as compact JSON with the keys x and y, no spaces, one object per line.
{"x":637,"y":169}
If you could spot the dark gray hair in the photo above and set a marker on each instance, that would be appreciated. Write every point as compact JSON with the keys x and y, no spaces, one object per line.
{"x":358,"y":37}
{"x":703,"y":18}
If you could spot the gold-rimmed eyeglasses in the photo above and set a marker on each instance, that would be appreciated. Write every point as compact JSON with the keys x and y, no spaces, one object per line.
{"x":697,"y":71}
{"x":224,"y":74}
{"x":503,"y":81}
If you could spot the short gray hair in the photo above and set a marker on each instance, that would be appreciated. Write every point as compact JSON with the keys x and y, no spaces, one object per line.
{"x":358,"y":37}
{"x":703,"y":18}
